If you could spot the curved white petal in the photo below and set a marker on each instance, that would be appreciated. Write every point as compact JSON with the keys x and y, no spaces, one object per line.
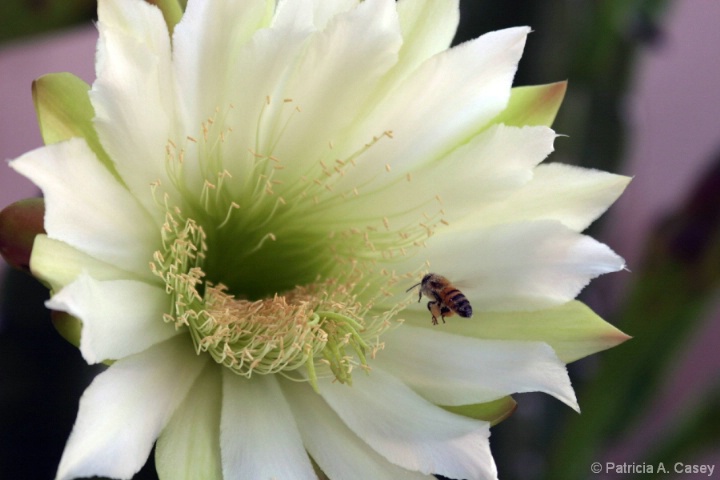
{"x":133,"y":95}
{"x":490,"y":168}
{"x":87,"y":208}
{"x":189,"y":446}
{"x":331,"y":85}
{"x":323,"y":11}
{"x":205,"y":53}
{"x":573,"y":195}
{"x":440,"y":105}
{"x":119,"y":317}
{"x":519,"y":266}
{"x":333,"y":446}
{"x":124,"y":409}
{"x":258,"y":435}
{"x":408,"y":430}
{"x":450,"y":369}
{"x":58,"y":264}
{"x":428,"y":28}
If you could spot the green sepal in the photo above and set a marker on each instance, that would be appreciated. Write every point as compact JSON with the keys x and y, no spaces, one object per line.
{"x":493,"y":412}
{"x":573,"y":330}
{"x":533,"y":106}
{"x":64,"y":111}
{"x":67,"y":326}
{"x":172,"y":12}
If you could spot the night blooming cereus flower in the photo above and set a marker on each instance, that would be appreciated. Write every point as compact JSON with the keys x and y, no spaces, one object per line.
{"x":237,"y":206}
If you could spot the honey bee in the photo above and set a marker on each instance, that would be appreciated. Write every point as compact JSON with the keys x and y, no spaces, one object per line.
{"x":448,"y":300}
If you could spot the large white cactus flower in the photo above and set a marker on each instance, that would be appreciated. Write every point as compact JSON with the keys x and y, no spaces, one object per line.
{"x":235,"y":210}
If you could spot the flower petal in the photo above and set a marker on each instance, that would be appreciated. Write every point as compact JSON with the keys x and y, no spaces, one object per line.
{"x":335,"y":448}
{"x":450,"y":369}
{"x":573,"y":195}
{"x":189,"y":447}
{"x":58,"y":264}
{"x":408,"y":430}
{"x":258,"y":435}
{"x":120,"y":317}
{"x":519,"y":266}
{"x":205,"y":53}
{"x":344,"y":62}
{"x":133,"y":95}
{"x":87,"y":208}
{"x":124,"y":409}
{"x":428,"y":28}
{"x":446,"y":101}
{"x":572,"y":329}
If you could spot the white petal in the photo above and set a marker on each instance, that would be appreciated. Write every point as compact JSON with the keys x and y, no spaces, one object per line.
{"x":124,"y":409}
{"x":120,"y":317}
{"x":575,"y":196}
{"x":451,"y":369}
{"x":189,"y":447}
{"x":491,"y":167}
{"x":323,"y":11}
{"x":408,"y":430}
{"x":333,"y":446}
{"x":58,"y":264}
{"x":333,"y":83}
{"x":87,"y":208}
{"x":522,"y":266}
{"x":133,"y":95}
{"x":428,"y":28}
{"x":448,"y":99}
{"x":258,"y":435}
{"x":205,"y":49}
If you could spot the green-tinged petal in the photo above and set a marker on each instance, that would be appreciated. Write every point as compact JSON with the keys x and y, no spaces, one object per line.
{"x":573,"y":330}
{"x":451,"y":369}
{"x":335,"y":448}
{"x":57,"y":264}
{"x":410,"y":431}
{"x":20,"y":223}
{"x":120,"y":317}
{"x":534,"y":105}
{"x":428,"y":28}
{"x":125,"y":408}
{"x":87,"y":208}
{"x":493,"y":412}
{"x":64,"y":111}
{"x":259,"y":437}
{"x":572,"y":195}
{"x":69,"y":327}
{"x":189,"y":447}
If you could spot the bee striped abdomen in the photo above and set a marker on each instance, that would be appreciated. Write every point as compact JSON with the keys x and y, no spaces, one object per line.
{"x":458,"y":302}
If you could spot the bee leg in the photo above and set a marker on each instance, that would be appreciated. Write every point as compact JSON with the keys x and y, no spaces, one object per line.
{"x":444,"y":310}
{"x":430,"y":307}
{"x":419,"y":296}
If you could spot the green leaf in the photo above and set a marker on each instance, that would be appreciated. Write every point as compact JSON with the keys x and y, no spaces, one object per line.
{"x":573,"y":330}
{"x":534,"y":105}
{"x":64,"y":111}
{"x":493,"y":412}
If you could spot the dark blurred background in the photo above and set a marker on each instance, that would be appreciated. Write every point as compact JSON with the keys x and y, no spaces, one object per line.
{"x":643,"y":100}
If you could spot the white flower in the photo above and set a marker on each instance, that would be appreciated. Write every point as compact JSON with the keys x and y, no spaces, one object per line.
{"x":235,"y":211}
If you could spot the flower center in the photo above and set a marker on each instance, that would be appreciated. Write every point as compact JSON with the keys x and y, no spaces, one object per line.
{"x":319,"y":326}
{"x":263,"y":267}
